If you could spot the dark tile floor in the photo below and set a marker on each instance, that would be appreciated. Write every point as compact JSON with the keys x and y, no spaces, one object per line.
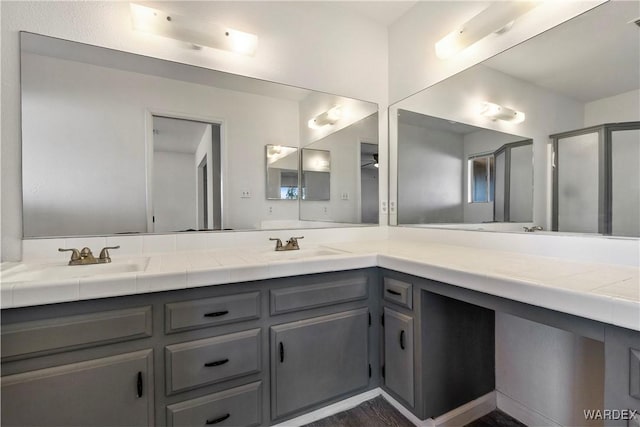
{"x":496,"y":418}
{"x":379,"y":413}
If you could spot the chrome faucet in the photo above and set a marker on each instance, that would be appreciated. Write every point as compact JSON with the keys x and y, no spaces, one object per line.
{"x":85,"y":256}
{"x":532,"y":229}
{"x":291,"y":245}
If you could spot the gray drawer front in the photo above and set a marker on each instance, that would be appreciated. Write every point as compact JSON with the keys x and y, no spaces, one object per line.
{"x":195,"y":314}
{"x":28,"y":339}
{"x":239,"y":406}
{"x":227,"y":356}
{"x":398,"y":292}
{"x":318,"y":295}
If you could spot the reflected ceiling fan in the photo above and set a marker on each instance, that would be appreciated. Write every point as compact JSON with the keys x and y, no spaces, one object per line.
{"x":374,"y":162}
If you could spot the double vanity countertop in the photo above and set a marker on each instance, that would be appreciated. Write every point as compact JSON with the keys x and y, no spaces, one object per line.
{"x":602,"y":292}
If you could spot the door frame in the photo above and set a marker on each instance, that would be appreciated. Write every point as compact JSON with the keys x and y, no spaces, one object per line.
{"x":148,"y":141}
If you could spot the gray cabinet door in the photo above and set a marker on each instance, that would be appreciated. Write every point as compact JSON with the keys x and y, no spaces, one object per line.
{"x":318,"y":359}
{"x":111,"y":391}
{"x":398,"y":354}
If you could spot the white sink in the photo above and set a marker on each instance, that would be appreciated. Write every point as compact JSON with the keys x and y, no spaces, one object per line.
{"x":302,"y":254}
{"x":61,"y":271}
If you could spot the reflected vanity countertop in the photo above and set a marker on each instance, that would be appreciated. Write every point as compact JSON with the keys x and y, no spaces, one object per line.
{"x":603,"y":292}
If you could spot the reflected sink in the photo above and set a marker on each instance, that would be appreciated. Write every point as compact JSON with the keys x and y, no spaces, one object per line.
{"x":302,"y":254}
{"x":61,"y":271}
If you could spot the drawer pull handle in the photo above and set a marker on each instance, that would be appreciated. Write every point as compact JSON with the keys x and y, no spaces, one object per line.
{"x":217,"y":313}
{"x":392,"y":292}
{"x":402,"y":339}
{"x":139,"y":384}
{"x":218,"y":420}
{"x":281,"y":352}
{"x":216,"y":363}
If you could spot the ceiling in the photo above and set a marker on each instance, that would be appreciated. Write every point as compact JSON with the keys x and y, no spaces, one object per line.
{"x":382,"y":12}
{"x":104,"y":57}
{"x":428,"y":122}
{"x":177,"y":136}
{"x":593,"y":56}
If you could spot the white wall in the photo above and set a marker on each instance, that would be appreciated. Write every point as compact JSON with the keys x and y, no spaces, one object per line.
{"x":104,"y":109}
{"x":295,"y":47}
{"x":174,"y":191}
{"x":430,"y":170}
{"x":624,"y":107}
{"x":553,"y":372}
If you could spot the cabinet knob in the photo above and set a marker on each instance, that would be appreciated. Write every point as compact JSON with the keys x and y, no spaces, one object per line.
{"x":402,"y":339}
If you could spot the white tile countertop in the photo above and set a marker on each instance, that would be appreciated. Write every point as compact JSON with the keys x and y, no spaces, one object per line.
{"x":602,"y":292}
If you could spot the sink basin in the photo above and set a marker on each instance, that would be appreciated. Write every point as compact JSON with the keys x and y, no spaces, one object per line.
{"x":302,"y":254}
{"x":61,"y":271}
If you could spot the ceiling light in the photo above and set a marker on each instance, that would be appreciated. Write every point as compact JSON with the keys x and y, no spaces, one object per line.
{"x":498,"y":112}
{"x":497,"y":18}
{"x":158,"y":22}
{"x":327,"y":118}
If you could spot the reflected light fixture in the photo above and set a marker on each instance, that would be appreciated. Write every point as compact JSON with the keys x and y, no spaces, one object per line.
{"x":327,"y":118}
{"x":497,"y":18}
{"x":498,"y":112}
{"x":158,"y":22}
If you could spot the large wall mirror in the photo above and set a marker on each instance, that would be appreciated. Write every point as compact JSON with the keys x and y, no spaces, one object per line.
{"x":562,"y":154}
{"x":114,"y":142}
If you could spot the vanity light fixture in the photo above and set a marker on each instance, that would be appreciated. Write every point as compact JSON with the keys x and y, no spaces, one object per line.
{"x":497,"y":18}
{"x":498,"y":112}
{"x":158,"y":22}
{"x":327,"y":118}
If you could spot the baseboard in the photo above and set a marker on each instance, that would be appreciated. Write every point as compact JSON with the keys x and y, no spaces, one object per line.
{"x":457,"y":417}
{"x":404,"y":411}
{"x":468,"y":412}
{"x":332,"y":409}
{"x":521,"y":413}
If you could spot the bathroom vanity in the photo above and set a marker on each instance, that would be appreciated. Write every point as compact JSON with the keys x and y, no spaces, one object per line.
{"x":262,"y":351}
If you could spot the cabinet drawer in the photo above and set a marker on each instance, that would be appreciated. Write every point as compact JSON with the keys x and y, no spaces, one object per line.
{"x":28,"y":339}
{"x":318,"y":295}
{"x":195,"y":314}
{"x":398,"y":292}
{"x":239,"y":406}
{"x":211,"y":360}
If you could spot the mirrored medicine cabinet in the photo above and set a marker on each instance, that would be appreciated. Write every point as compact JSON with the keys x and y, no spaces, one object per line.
{"x":119,"y":143}
{"x":572,"y":165}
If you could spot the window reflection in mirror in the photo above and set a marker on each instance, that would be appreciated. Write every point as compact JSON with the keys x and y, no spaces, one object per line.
{"x":481,"y":174}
